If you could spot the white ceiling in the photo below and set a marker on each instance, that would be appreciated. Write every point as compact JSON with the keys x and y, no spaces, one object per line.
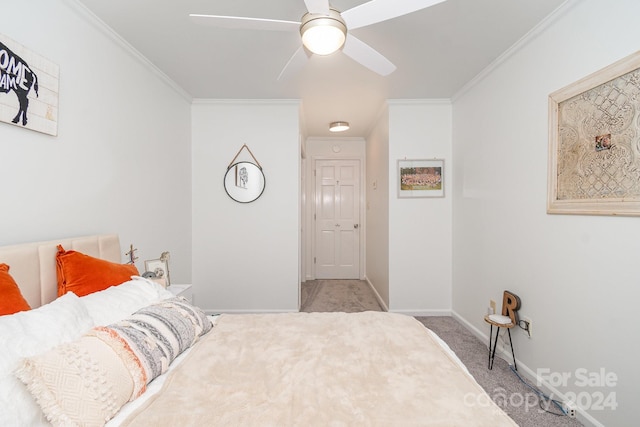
{"x":436,"y":50}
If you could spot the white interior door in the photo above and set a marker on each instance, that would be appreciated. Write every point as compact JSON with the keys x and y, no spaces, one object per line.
{"x":337,"y":219}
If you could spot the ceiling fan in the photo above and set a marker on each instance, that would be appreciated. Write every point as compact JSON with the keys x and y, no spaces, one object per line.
{"x":325,"y":30}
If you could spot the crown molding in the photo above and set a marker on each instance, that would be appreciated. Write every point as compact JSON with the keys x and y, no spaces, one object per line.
{"x":102,"y":27}
{"x":214,"y":101}
{"x":426,"y":101}
{"x":517,"y":46}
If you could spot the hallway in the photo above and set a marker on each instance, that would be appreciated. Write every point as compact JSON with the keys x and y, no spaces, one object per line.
{"x":348,"y":296}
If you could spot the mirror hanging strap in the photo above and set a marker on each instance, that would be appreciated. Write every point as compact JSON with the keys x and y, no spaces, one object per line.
{"x":250,"y":153}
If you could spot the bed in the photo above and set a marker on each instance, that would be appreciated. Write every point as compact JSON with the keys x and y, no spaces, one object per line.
{"x":287,"y":369}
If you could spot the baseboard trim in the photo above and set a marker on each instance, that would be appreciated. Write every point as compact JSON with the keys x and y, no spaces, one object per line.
{"x":210,"y":311}
{"x":375,"y":292}
{"x":424,"y":313}
{"x":528,"y":373}
{"x":475,"y":331}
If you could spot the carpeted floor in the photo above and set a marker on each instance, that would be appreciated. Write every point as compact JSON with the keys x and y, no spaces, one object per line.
{"x":502,"y":385}
{"x":346,"y":296}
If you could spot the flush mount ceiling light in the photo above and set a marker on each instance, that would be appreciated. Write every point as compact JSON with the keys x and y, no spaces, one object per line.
{"x":323,"y":34}
{"x":338,"y":126}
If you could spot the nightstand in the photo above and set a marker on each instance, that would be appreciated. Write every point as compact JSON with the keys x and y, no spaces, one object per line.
{"x":182,"y":290}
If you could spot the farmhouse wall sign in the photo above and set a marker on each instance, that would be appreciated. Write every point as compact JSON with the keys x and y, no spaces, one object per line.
{"x":28,"y":88}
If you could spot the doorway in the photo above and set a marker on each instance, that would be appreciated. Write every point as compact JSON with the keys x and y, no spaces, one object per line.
{"x":337,"y":231}
{"x":325,"y":161}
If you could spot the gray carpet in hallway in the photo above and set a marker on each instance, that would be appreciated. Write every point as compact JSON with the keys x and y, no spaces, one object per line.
{"x":502,"y":385}
{"x":348,"y":296}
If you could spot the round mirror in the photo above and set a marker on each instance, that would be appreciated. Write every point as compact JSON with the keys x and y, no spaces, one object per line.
{"x":244,"y":182}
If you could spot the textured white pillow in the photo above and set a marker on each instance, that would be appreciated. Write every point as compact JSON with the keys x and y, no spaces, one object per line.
{"x":86,"y":382}
{"x":80,"y":383}
{"x":27,"y":334}
{"x":117,"y":302}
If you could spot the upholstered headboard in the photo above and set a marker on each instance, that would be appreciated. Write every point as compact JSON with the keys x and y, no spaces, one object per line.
{"x":33,"y":265}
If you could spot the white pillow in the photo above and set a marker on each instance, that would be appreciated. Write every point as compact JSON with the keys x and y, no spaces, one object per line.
{"x":27,"y":334}
{"x":118,"y":302}
{"x":90,"y":385}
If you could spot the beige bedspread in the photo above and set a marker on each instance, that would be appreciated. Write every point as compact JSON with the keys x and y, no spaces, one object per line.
{"x":319,"y":369}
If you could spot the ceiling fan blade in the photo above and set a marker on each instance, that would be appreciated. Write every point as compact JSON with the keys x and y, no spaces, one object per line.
{"x":375,"y":11}
{"x":320,"y":7}
{"x":295,"y":64}
{"x":243,"y":23}
{"x":367,"y":56}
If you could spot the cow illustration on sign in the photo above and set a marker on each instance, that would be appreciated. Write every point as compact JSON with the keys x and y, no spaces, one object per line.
{"x":15,"y":75}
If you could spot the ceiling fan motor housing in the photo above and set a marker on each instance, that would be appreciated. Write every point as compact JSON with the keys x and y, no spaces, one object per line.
{"x":323,"y":34}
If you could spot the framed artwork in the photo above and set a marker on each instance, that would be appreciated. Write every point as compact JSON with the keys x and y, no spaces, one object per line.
{"x":159,"y":267}
{"x":420,"y":178}
{"x":28,"y":88}
{"x":594,"y":143}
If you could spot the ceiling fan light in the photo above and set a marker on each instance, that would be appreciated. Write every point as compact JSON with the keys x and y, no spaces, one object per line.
{"x":338,"y":126}
{"x":323,"y":34}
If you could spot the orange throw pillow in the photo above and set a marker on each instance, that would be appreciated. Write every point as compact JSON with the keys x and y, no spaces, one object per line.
{"x":83,"y":274}
{"x":11,"y":299}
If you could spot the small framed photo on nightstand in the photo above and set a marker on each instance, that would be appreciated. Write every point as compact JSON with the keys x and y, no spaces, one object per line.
{"x":160,"y":268}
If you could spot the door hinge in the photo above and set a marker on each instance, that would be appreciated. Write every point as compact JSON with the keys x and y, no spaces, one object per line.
{"x":314,"y":260}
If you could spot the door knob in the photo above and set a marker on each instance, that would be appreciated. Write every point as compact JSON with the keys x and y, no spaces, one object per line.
{"x":356,"y":225}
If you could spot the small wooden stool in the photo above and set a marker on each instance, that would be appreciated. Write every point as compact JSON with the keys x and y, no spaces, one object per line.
{"x":508,"y":319}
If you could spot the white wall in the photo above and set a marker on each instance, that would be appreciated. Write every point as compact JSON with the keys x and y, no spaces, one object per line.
{"x":377,"y":206}
{"x":245,"y":255}
{"x":121,"y":160}
{"x":577,"y":276}
{"x":420,"y":230}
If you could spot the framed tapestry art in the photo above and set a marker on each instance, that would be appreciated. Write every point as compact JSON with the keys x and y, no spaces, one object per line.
{"x":594,"y":143}
{"x":420,"y":178}
{"x":28,"y":88}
